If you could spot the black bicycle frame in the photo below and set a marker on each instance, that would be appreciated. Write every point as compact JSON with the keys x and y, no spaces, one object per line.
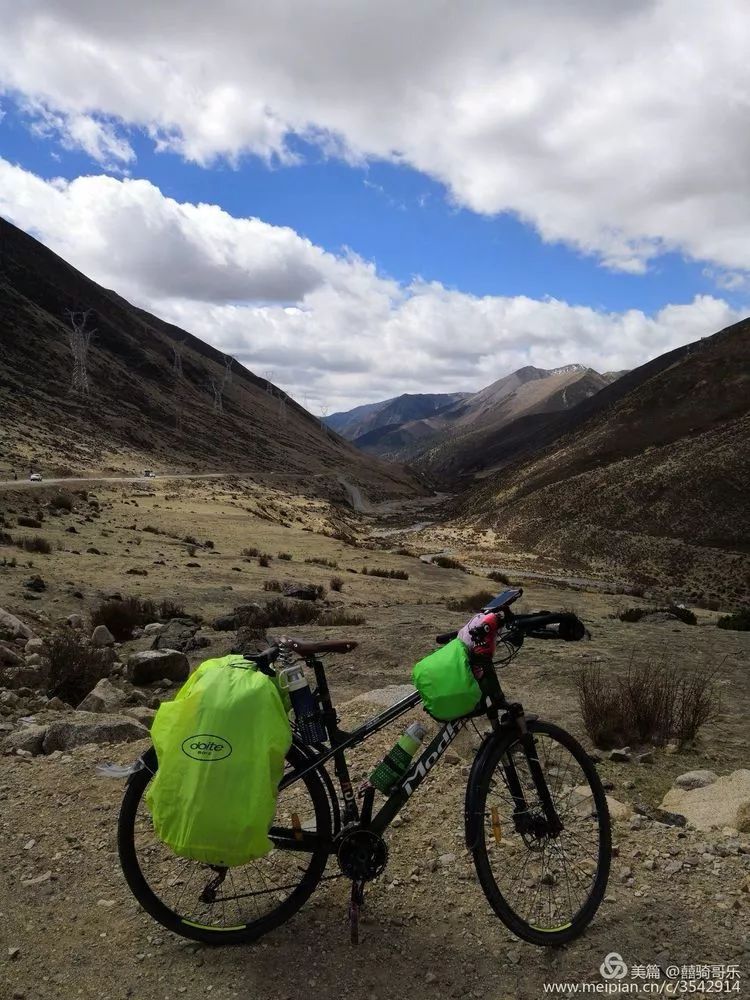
{"x":340,"y":742}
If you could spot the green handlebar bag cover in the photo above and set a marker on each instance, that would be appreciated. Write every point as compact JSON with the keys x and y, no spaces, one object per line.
{"x":221,"y":746}
{"x":445,"y":682}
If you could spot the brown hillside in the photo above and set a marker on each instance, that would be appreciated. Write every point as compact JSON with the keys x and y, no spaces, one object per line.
{"x":140,"y":412}
{"x":655,"y":483}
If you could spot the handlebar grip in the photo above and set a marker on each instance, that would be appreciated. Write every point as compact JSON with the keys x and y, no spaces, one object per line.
{"x":445,"y":637}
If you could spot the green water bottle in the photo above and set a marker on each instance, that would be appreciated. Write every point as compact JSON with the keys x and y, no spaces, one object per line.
{"x":396,"y":763}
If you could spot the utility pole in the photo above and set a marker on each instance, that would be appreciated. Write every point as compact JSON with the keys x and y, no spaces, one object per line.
{"x":177,"y":377}
{"x":79,"y":339}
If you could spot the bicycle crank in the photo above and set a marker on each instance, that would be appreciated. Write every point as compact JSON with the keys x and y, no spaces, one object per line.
{"x":362,"y":855}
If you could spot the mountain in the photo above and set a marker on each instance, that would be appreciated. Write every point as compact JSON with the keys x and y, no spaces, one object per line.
{"x":362,"y":420}
{"x":458,"y":439}
{"x":648,"y":477}
{"x":158,"y":396}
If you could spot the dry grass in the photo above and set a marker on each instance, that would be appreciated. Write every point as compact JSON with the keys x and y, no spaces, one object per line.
{"x":386,"y":574}
{"x":472,"y":602}
{"x":37,"y":543}
{"x":652,"y":704}
{"x":278,"y":612}
{"x":74,"y":669}
{"x":738,"y":622}
{"x":122,"y":617}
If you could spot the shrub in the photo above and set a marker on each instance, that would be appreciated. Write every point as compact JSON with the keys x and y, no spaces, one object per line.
{"x":190,"y":540}
{"x":74,"y":669}
{"x":121,"y":617}
{"x":319,"y":561}
{"x":448,"y":562}
{"x":388,"y":574}
{"x":739,"y":621}
{"x":152,"y":530}
{"x":11,"y":563}
{"x":336,"y":584}
{"x":499,"y":577}
{"x":652,"y":703}
{"x":285,"y":556}
{"x":5,"y":538}
{"x":278,"y":611}
{"x":404,"y":552}
{"x":264,"y":560}
{"x":274,"y":585}
{"x":28,"y":522}
{"x":472,"y":602}
{"x":250,"y":553}
{"x":62,"y":501}
{"x":339,"y":617}
{"x":36,"y":544}
{"x":208,"y":544}
{"x":191,"y":551}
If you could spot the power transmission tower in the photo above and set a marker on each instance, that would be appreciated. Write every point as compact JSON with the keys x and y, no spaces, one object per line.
{"x":323,"y":414}
{"x":177,"y":377}
{"x":217,"y":388}
{"x":79,"y":339}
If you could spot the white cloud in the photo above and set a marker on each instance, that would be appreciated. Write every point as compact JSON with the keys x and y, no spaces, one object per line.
{"x":620,"y":129}
{"x":331,"y":328}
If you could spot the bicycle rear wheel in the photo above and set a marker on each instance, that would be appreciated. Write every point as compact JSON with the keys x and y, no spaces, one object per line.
{"x":545,"y":886}
{"x":224,"y":905}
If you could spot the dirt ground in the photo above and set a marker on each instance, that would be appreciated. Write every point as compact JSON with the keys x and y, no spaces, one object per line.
{"x":427,"y":929}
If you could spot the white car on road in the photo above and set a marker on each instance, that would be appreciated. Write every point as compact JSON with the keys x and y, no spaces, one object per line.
{"x":35,"y":477}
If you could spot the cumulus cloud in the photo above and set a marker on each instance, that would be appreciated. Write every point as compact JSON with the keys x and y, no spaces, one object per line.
{"x":619,"y":129}
{"x":334,"y":330}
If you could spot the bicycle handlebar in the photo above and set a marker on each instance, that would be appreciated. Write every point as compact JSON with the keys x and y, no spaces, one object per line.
{"x":536,"y":626}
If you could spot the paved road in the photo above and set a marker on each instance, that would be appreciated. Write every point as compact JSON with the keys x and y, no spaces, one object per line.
{"x":88,"y":480}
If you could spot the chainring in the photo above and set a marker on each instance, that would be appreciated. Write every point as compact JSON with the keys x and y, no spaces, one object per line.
{"x":362,"y":855}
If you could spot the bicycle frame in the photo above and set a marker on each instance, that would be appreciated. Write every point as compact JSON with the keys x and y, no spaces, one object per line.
{"x":340,"y":742}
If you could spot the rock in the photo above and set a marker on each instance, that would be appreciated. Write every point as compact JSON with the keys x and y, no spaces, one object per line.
{"x":141,"y":714}
{"x":619,"y":811}
{"x":75,"y":621}
{"x":667,"y":817}
{"x":645,"y":758}
{"x":153,"y":664}
{"x":9,"y":657}
{"x":177,"y":634}
{"x":87,"y":727}
{"x":93,"y":551}
{"x":9,"y":623}
{"x":34,"y":660}
{"x":724,"y":802}
{"x":105,"y":697}
{"x":621,"y":756}
{"x":35,"y":583}
{"x":153,"y":628}
{"x":29,"y":739}
{"x":101,"y":636}
{"x":34,"y":646}
{"x":225,"y":623}
{"x":447,"y":859}
{"x":695,"y":779}
{"x":302,"y":591}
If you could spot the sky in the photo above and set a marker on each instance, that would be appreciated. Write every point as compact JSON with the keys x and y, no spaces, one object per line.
{"x":361,"y":199}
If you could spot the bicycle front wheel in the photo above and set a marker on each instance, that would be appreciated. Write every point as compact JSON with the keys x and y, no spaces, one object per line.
{"x":225,"y":905}
{"x":544,"y":884}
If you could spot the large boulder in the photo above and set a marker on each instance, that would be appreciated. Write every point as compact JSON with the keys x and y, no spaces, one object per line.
{"x":724,"y":802}
{"x":179,"y":634}
{"x":14,"y":626}
{"x":154,"y":664}
{"x":105,"y":697}
{"x":142,"y":714}
{"x":80,"y":728}
{"x":302,"y":591}
{"x":101,"y":637}
{"x":28,"y":738}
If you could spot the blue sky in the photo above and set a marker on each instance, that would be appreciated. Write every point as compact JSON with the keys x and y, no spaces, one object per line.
{"x":378,"y":199}
{"x":393,"y":215}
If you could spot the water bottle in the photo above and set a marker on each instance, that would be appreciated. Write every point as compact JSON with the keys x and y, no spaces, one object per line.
{"x":309,"y":725}
{"x":396,"y":763}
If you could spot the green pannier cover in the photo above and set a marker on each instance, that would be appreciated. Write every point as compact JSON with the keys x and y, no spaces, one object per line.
{"x":445,"y":682}
{"x":221,"y":746}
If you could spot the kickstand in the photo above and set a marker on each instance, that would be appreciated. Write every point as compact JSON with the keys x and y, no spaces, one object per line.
{"x":357,"y":901}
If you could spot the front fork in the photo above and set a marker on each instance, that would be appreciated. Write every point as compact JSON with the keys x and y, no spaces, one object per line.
{"x":521,"y":807}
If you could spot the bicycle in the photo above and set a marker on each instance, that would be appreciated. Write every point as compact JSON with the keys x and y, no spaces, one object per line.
{"x":536,"y":818}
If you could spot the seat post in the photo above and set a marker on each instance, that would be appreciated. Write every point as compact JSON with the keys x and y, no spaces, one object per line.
{"x":324,"y":694}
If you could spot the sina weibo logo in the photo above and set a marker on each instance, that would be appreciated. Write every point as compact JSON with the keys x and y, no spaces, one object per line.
{"x":206,"y":746}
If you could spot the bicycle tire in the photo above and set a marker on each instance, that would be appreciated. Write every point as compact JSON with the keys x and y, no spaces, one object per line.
{"x":179,"y":924}
{"x":522,"y":928}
